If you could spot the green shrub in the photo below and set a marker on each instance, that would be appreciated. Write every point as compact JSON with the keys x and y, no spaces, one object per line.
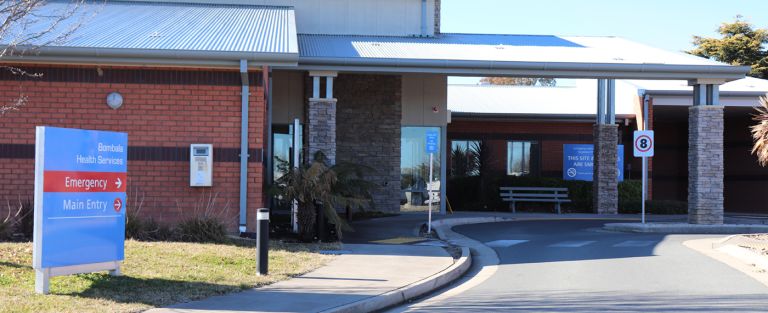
{"x":146,"y":229}
{"x":140,"y":228}
{"x":204,"y":223}
{"x":19,"y":220}
{"x":481,"y":193}
{"x":659,"y":207}
{"x":202,"y":229}
{"x":630,"y":190}
{"x":463,"y":192}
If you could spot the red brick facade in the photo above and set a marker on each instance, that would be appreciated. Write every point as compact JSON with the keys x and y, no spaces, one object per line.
{"x":164,"y":111}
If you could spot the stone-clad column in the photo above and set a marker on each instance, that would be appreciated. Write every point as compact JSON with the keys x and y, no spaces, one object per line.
{"x":605,"y":181}
{"x":705,"y":164}
{"x":321,"y":129}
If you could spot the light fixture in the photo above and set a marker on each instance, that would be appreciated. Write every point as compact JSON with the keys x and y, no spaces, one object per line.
{"x":114,"y":100}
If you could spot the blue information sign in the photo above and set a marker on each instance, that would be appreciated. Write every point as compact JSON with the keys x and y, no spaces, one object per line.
{"x":433,"y":141}
{"x":80,"y":184}
{"x":578,"y":162}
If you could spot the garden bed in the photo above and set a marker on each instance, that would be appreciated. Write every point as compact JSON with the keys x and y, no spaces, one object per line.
{"x":758,"y":243}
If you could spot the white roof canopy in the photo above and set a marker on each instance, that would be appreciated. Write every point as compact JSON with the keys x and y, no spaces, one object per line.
{"x":507,"y":55}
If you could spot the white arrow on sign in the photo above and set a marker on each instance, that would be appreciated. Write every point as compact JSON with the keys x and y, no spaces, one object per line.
{"x":119,"y":183}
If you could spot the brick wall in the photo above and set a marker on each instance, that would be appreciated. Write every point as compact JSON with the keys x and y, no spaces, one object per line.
{"x":368,"y":117}
{"x":164,"y":110}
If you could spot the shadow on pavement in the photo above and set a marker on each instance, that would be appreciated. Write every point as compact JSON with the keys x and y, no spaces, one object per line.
{"x":577,"y":301}
{"x":558,"y":241}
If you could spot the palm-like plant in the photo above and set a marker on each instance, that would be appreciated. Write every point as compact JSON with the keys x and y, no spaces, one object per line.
{"x":329,"y":187}
{"x":760,"y":132}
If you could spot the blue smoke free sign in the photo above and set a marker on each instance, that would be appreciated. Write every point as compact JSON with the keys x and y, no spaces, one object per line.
{"x":80,"y":185}
{"x":578,"y":162}
{"x":433,"y":141}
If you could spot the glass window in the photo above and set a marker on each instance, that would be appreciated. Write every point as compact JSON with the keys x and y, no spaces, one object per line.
{"x":519,"y":158}
{"x":465,"y":157}
{"x":283,"y":147}
{"x":414,"y":168}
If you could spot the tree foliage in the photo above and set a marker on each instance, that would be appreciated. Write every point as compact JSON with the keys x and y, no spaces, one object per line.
{"x":741,"y":44}
{"x":24,"y":29}
{"x":318,"y":186}
{"x":760,"y":133}
{"x":519,"y":81}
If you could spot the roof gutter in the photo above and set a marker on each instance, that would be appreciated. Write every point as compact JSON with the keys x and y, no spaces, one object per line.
{"x":218,"y":59}
{"x":689,"y":93}
{"x":537,"y":69}
{"x":533,"y":116}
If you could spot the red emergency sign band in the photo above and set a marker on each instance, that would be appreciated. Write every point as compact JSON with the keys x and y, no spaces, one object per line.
{"x":67,"y":181}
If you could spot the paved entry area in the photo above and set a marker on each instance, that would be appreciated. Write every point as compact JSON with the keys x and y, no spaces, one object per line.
{"x":572,"y":266}
{"x":366,"y":271}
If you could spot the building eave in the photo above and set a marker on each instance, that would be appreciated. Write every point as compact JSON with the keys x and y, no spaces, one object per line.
{"x":525,"y":69}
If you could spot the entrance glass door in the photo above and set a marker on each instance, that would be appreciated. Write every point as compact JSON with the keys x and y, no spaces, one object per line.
{"x":414,"y":169}
{"x":283,"y":148}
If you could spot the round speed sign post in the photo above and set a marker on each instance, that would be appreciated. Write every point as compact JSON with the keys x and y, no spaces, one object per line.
{"x":643,"y":145}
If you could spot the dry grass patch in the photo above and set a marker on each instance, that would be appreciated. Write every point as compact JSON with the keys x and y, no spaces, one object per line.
{"x":154,"y":274}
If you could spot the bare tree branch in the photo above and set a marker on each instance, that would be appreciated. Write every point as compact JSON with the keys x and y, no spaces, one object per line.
{"x":27,"y":25}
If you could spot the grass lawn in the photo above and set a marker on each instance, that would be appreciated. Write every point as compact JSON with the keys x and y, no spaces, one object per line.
{"x":154,"y":274}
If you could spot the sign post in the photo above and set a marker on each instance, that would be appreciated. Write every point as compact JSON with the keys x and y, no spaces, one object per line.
{"x":433,"y":143}
{"x":80,"y":184}
{"x":643,"y":147}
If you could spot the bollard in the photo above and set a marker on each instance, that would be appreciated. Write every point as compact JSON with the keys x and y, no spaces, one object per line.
{"x":262,"y":238}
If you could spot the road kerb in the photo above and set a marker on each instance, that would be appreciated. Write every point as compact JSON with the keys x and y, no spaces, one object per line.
{"x":411,"y":291}
{"x":685,"y":228}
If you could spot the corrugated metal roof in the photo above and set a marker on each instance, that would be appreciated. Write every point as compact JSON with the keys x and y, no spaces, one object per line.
{"x":174,"y":26}
{"x":491,"y":52}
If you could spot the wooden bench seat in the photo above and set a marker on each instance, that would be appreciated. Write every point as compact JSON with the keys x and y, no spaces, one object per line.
{"x":534,"y":194}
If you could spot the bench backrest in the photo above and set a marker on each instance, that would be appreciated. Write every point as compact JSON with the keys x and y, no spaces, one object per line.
{"x":533,"y":192}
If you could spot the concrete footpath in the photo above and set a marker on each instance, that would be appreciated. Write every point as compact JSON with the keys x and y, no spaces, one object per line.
{"x":363,"y":278}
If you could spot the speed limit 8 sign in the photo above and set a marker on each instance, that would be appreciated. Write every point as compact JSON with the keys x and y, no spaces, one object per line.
{"x":643,"y":143}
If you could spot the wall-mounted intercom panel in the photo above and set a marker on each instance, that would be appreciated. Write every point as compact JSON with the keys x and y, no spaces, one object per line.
{"x":200,"y":165}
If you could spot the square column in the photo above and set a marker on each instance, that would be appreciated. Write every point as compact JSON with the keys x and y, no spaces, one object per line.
{"x":705,"y":157}
{"x":605,"y":192}
{"x":321,"y":129}
{"x":321,"y":119}
{"x":605,"y":180}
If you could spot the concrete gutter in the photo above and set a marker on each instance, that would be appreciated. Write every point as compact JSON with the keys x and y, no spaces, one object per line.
{"x":685,"y":228}
{"x":411,"y":291}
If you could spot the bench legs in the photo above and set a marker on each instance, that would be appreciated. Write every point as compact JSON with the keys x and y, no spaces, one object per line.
{"x":514,"y":209}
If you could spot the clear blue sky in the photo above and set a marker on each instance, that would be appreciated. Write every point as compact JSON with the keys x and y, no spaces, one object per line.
{"x":664,"y":24}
